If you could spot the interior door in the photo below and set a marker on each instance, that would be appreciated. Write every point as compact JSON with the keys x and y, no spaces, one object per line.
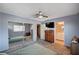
{"x":38,"y":31}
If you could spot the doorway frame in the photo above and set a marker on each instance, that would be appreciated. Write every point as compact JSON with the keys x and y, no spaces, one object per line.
{"x":55,"y":32}
{"x":38,"y":31}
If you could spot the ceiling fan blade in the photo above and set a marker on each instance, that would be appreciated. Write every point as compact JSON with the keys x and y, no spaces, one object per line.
{"x":45,"y":16}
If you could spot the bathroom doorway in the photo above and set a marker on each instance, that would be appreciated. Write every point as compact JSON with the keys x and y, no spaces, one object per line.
{"x":59,"y":32}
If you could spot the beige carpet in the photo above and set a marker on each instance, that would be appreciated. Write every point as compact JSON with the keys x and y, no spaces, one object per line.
{"x":34,"y":49}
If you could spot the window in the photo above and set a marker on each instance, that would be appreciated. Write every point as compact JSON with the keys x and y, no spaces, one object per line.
{"x":18,"y":28}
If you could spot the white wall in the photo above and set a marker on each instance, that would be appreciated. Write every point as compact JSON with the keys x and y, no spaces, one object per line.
{"x":34,"y":32}
{"x":42,"y":31}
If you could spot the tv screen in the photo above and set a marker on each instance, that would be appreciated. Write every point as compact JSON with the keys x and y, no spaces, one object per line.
{"x":50,"y":25}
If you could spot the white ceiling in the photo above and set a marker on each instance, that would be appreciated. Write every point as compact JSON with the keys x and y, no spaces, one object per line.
{"x":53,"y":10}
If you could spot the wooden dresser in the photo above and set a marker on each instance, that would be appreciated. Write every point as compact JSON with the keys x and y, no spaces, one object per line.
{"x":49,"y":36}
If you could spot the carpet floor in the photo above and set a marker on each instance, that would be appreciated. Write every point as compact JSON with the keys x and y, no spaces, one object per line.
{"x":34,"y":49}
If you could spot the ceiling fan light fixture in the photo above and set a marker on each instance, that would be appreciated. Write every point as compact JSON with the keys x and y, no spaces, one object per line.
{"x":40,"y":15}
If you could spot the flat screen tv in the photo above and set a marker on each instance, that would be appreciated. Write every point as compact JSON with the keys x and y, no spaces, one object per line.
{"x":50,"y":24}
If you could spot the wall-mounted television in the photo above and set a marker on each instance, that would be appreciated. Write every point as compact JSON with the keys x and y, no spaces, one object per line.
{"x":50,"y":24}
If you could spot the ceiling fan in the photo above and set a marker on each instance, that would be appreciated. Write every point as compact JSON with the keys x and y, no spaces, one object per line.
{"x":40,"y":15}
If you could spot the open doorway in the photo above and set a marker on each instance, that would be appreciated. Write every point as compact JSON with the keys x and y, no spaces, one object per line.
{"x":59,"y":32}
{"x":38,"y":31}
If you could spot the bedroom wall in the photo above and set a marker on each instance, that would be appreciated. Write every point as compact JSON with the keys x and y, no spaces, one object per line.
{"x":3,"y":33}
{"x":71,"y":27}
